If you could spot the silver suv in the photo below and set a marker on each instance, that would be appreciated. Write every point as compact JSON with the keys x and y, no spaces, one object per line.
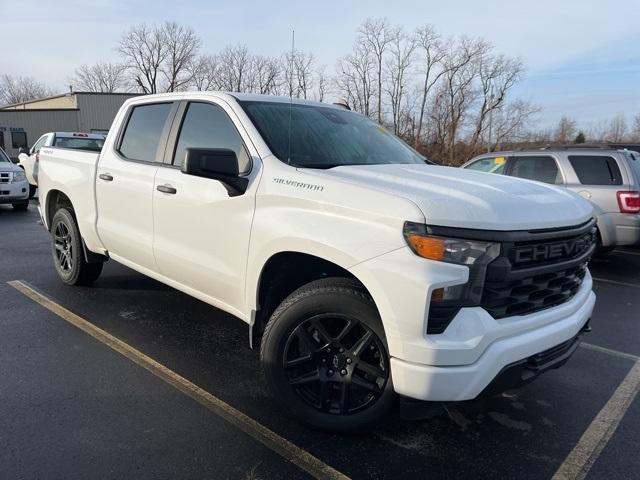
{"x":609,"y":178}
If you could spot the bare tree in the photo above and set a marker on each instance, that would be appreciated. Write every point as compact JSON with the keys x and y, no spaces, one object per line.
{"x":375,"y":36}
{"x":21,"y":89}
{"x":143,"y":51}
{"x":431,"y":56}
{"x":322,"y":83}
{"x":458,"y":88}
{"x":265,"y":74}
{"x":300,"y":79}
{"x":566,"y":130}
{"x":512,"y":123}
{"x":204,"y":72}
{"x":158,"y":56}
{"x":399,"y":61}
{"x":497,"y":75}
{"x":100,"y":77}
{"x":617,"y":129}
{"x":635,"y":133}
{"x":235,"y":62}
{"x":181,"y":44}
{"x":355,"y":79}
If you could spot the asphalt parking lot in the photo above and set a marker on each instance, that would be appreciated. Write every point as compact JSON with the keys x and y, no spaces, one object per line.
{"x":72,"y":406}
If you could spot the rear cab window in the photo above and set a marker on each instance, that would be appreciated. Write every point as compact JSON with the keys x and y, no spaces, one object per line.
{"x":541,"y":168}
{"x":80,"y":143}
{"x":141,"y":136}
{"x":489,"y":164}
{"x":596,"y":169}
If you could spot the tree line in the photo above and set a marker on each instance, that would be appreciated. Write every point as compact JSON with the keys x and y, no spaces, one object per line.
{"x":449,"y":97}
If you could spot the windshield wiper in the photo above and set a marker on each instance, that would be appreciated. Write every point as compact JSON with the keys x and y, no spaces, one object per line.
{"x":323,"y":166}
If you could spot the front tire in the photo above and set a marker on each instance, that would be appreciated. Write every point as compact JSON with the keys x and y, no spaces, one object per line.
{"x":68,"y":256}
{"x":324,"y":355}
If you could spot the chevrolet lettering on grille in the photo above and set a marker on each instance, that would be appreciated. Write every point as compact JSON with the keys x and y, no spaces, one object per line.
{"x":554,"y":251}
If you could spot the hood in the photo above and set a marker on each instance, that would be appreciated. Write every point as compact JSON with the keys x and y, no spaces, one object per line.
{"x":456,"y":197}
{"x":9,"y":167}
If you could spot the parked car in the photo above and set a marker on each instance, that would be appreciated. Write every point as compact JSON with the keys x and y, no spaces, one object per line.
{"x":92,"y":142}
{"x":14,"y":188}
{"x":362,"y":271}
{"x":609,"y":178}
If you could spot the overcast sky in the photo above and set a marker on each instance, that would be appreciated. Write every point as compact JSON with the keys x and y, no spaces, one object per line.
{"x":582,"y":57}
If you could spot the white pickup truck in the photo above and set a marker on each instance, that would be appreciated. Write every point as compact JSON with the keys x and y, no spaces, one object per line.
{"x":363,"y":271}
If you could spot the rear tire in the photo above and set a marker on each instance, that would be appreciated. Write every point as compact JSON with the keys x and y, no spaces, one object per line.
{"x":21,"y":207}
{"x":325,"y":357}
{"x":67,"y":251}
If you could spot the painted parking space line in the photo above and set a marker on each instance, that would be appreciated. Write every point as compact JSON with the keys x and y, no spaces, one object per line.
{"x":609,"y":351}
{"x":580,"y":460}
{"x":251,"y":427}
{"x":616,"y":282}
{"x":626,"y":252}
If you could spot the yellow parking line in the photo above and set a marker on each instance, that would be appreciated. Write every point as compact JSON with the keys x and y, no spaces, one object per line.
{"x":595,"y":438}
{"x":615,"y":282}
{"x":259,"y":432}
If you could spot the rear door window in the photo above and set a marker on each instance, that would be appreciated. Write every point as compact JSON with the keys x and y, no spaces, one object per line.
{"x":489,"y":165}
{"x":540,"y":168}
{"x":596,"y":169}
{"x":141,"y":136}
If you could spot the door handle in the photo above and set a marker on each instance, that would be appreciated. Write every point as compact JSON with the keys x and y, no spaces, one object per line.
{"x":166,"y":189}
{"x":106,"y":177}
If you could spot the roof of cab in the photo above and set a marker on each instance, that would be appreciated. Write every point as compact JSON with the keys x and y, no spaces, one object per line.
{"x":241,"y":97}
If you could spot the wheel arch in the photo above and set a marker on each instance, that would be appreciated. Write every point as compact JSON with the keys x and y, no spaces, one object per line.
{"x":281,"y":274}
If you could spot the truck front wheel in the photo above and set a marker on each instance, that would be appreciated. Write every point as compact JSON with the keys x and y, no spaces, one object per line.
{"x":66,"y":248}
{"x":325,"y":357}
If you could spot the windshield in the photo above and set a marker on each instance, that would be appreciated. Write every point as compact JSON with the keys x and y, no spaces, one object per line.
{"x":79,"y":143}
{"x":325,"y":137}
{"x":3,"y":157}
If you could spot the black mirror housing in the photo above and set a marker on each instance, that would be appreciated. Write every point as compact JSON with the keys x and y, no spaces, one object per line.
{"x":218,"y":164}
{"x":22,"y":150}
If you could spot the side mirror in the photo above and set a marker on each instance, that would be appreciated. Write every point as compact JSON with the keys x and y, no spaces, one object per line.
{"x":218,"y":164}
{"x":22,"y":150}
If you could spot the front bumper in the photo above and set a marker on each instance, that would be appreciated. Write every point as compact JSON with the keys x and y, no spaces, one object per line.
{"x":14,"y":192}
{"x":466,"y":382}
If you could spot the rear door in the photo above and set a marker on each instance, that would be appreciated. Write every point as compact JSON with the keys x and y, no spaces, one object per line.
{"x":541,"y":168}
{"x":125,"y":181}
{"x":201,"y":230}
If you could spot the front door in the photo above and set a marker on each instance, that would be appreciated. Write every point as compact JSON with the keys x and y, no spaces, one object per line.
{"x":201,"y":230}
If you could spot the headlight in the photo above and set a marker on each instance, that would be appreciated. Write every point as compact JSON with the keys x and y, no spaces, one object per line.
{"x":472,"y":253}
{"x":19,"y":177}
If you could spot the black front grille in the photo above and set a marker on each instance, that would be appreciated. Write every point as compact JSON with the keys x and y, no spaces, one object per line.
{"x":538,"y":270}
{"x":532,"y":293}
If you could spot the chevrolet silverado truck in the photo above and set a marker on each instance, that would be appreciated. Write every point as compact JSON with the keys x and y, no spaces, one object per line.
{"x":364,"y":272}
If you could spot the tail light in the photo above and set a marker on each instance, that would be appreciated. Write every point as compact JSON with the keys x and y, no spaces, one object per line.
{"x":629,"y":202}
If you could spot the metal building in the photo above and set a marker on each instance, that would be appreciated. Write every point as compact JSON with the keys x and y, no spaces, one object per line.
{"x":21,"y":124}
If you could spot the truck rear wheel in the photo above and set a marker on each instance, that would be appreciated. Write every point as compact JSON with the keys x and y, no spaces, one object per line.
{"x":324,"y":355}
{"x":66,"y":248}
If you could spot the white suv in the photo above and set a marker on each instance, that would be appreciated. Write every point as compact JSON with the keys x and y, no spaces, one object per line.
{"x":14,"y":188}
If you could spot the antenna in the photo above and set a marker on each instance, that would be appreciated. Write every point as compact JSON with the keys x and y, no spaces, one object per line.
{"x":293,"y":42}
